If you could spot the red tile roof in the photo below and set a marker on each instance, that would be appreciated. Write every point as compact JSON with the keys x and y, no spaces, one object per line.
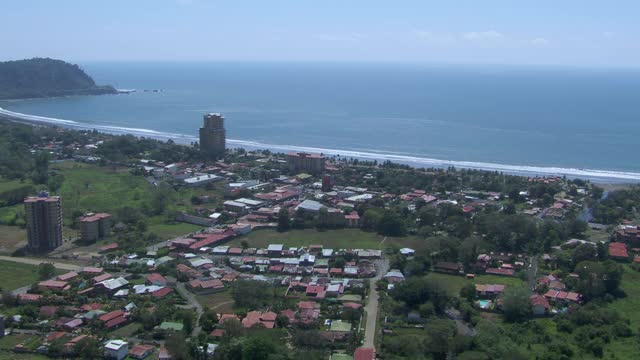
{"x":29,"y":297}
{"x":216,"y":333}
{"x":162,"y":292}
{"x":618,"y":250}
{"x":92,"y":270}
{"x":364,"y":354}
{"x":495,"y":271}
{"x":539,"y":300}
{"x":55,"y":336}
{"x":255,"y":317}
{"x":102,"y":277}
{"x":67,"y":276}
{"x":115,"y":322}
{"x":209,"y":239}
{"x":95,"y":217}
{"x":53,"y":284}
{"x":156,"y":278}
{"x":111,"y":315}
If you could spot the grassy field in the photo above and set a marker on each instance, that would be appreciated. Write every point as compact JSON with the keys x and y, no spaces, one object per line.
{"x":159,"y":226}
{"x":455,"y":282}
{"x":628,"y":308}
{"x":94,"y":188}
{"x":126,"y":331}
{"x":11,"y":238}
{"x":15,"y":275}
{"x":7,"y":184}
{"x":221,"y":302}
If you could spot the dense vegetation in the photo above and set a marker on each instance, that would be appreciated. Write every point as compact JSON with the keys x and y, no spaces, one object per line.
{"x":38,"y":77}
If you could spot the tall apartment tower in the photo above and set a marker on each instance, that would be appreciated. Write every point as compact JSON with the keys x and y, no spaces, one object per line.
{"x":213,"y":136}
{"x":44,"y":222}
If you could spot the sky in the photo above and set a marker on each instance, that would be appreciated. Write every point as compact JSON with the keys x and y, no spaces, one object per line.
{"x":585,"y":33}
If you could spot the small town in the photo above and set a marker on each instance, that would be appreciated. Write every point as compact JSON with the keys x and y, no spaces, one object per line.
{"x":127,"y":248}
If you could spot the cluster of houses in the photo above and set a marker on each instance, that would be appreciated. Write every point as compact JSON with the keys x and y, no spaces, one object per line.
{"x":107,"y":304}
{"x":551,"y":296}
{"x":502,"y":264}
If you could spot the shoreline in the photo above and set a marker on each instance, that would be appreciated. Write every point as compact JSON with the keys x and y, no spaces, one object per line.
{"x":594,"y":175}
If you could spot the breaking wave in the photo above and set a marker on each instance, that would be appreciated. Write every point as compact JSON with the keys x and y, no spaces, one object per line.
{"x":590,"y":174}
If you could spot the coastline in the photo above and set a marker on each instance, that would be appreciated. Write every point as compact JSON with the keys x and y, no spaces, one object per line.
{"x":594,"y":175}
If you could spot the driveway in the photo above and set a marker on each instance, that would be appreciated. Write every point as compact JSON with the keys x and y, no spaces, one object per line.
{"x":193,"y":304}
{"x":372,"y":305}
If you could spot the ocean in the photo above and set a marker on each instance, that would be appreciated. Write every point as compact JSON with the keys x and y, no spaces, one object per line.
{"x":523,"y":119}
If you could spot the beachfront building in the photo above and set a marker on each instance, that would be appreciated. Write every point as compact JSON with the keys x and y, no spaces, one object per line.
{"x":44,"y":222}
{"x":301,"y":161}
{"x":94,"y":227}
{"x":213,"y":136}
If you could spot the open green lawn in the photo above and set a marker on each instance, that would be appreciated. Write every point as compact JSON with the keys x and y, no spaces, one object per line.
{"x":15,"y":275}
{"x":455,"y":282}
{"x":221,"y":302}
{"x":8,"y":342}
{"x":98,"y":189}
{"x":126,"y":331}
{"x":165,"y":231}
{"x":628,"y":308}
{"x":8,"y":184}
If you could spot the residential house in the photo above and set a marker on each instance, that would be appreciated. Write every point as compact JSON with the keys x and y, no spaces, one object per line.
{"x":116,"y":349}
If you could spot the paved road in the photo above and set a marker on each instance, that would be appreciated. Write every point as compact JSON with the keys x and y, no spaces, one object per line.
{"x":30,"y":261}
{"x":194,"y":304}
{"x":372,"y":305}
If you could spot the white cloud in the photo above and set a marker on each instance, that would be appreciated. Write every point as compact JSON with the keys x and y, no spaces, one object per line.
{"x":482,"y":35}
{"x":540,"y":41}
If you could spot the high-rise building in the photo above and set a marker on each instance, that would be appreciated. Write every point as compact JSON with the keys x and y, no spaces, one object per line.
{"x":300,"y":161}
{"x":94,"y":227}
{"x":213,"y":136}
{"x":44,"y":222}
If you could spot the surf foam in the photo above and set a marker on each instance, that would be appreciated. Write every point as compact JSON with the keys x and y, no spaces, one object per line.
{"x":591,"y":174}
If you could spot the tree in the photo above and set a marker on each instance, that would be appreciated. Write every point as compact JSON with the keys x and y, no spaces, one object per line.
{"x":46,"y":271}
{"x":439,"y":337}
{"x":516,"y":304}
{"x":41,"y":171}
{"x":583,"y":252}
{"x":257,"y":348}
{"x":390,"y":224}
{"x":468,"y":292}
{"x":88,"y":348}
{"x":232,"y":328}
{"x":284,"y":220}
{"x":598,"y":278}
{"x":323,"y":218}
{"x":209,"y":320}
{"x":177,"y":346}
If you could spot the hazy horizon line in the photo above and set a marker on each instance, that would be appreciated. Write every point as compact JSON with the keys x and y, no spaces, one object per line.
{"x":344,"y":62}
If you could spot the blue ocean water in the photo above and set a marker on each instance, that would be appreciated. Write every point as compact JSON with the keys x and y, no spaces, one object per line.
{"x":533,"y":116}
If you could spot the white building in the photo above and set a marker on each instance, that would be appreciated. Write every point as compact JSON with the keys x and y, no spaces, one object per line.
{"x":202,"y":179}
{"x":116,"y":349}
